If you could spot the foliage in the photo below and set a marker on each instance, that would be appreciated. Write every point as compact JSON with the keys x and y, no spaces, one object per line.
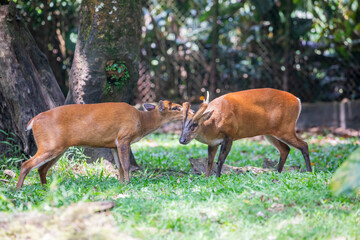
{"x":13,"y":155}
{"x":302,"y":46}
{"x":118,"y":75}
{"x":74,"y":154}
{"x":347,"y":178}
{"x":166,"y":201}
{"x":309,"y":48}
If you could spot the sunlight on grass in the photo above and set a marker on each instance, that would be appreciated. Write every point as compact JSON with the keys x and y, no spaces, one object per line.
{"x":166,"y":201}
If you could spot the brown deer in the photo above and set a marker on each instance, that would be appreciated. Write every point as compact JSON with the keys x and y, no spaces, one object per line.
{"x":243,"y":114}
{"x":109,"y":125}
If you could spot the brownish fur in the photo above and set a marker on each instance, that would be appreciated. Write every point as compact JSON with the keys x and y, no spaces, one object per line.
{"x":92,"y":125}
{"x":249,"y":113}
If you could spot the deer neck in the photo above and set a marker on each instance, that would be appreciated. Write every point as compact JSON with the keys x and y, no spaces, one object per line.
{"x":150,"y":121}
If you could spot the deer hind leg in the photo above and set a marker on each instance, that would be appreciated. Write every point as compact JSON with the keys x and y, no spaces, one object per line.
{"x":282,"y":148}
{"x":43,"y":170}
{"x":38,"y":160}
{"x":296,"y":142}
{"x":123,"y":149}
{"x":224,"y":151}
{"x":118,"y":164}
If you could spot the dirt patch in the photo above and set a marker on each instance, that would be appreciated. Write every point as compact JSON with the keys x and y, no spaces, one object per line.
{"x":91,"y":220}
{"x":198,"y":166}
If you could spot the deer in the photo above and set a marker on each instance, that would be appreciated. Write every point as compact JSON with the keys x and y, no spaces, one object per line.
{"x":114,"y":125}
{"x":265,"y":111}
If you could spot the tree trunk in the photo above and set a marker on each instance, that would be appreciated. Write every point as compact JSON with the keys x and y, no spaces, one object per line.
{"x":27,"y":83}
{"x":108,"y":31}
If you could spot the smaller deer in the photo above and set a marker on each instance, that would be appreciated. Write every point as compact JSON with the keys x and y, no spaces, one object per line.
{"x":243,"y":114}
{"x":109,"y":125}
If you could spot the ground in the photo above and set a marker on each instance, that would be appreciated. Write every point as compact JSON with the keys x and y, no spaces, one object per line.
{"x":166,"y":201}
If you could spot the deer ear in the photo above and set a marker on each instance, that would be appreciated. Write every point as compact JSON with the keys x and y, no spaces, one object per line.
{"x":161,"y":106}
{"x":186,"y":109}
{"x":207,"y":115}
{"x":148,"y":106}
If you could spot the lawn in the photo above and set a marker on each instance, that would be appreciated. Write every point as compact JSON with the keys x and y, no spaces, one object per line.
{"x":167,"y":201}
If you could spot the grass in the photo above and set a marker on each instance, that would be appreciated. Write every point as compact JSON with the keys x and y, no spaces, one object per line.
{"x":14,"y":151}
{"x":166,"y":201}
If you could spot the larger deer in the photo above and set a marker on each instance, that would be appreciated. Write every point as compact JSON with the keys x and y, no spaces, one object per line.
{"x":243,"y":114}
{"x":109,"y":125}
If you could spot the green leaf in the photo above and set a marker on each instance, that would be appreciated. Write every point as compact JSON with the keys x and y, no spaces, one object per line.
{"x":206,"y":16}
{"x":263,"y":6}
{"x":342,"y":51}
{"x":357,"y":29}
{"x":231,"y":9}
{"x":300,"y":27}
{"x":3,"y":132}
{"x":6,"y":142}
{"x":339,"y":35}
{"x":347,"y":178}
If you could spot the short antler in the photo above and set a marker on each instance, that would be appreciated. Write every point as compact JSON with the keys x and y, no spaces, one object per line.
{"x":206,"y":100}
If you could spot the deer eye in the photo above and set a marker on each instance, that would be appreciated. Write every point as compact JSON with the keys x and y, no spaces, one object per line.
{"x":193,"y":126}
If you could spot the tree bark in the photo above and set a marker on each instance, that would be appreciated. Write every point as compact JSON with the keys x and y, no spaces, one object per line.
{"x":109,"y":30}
{"x":27,"y":83}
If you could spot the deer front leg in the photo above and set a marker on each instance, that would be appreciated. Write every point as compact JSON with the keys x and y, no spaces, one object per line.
{"x":211,"y":155}
{"x":123,"y":148}
{"x":224,"y":151}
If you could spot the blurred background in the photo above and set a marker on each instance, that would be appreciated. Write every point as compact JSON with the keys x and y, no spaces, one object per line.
{"x":310,"y":48}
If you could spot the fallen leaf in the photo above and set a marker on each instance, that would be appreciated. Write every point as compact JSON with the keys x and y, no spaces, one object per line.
{"x":121,"y":196}
{"x":260,"y":214}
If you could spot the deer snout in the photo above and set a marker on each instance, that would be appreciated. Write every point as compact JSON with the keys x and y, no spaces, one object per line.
{"x":183,"y":140}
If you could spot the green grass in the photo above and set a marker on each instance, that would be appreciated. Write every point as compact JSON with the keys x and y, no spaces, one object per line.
{"x":166,"y":201}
